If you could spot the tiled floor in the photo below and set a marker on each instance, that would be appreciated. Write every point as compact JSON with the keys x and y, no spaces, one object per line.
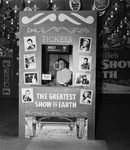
{"x":112,"y":120}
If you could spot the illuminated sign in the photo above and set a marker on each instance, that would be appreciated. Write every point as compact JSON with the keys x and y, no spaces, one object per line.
{"x":57,"y":48}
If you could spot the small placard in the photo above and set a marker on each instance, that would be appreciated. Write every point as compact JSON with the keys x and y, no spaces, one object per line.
{"x":46,"y":76}
{"x":57,"y":48}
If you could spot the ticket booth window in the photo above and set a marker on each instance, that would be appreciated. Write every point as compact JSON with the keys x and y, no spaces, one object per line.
{"x":57,"y":65}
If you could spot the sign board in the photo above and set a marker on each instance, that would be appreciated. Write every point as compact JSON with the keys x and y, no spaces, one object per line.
{"x":60,"y":32}
{"x":57,"y":48}
{"x":113,"y":66}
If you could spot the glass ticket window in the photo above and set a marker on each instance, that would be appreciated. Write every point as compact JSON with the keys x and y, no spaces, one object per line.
{"x":57,"y":65}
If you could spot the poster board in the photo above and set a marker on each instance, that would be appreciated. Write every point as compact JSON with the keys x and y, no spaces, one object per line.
{"x":45,"y":28}
{"x":113,"y":66}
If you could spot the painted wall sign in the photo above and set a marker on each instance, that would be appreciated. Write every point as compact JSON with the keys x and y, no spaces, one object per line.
{"x":113,"y":70}
{"x":55,"y":100}
{"x":57,"y":39}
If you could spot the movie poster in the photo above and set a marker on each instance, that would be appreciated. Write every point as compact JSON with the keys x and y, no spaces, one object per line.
{"x":113,"y":65}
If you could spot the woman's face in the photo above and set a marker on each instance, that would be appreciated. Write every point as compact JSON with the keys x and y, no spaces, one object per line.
{"x":27,"y":93}
{"x":86,"y":94}
{"x":61,"y":64}
{"x":85,"y":43}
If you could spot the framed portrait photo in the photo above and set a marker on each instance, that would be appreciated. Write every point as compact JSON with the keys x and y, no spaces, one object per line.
{"x":31,"y":78}
{"x":30,"y":61}
{"x":27,"y":95}
{"x":82,"y":79}
{"x":84,"y":63}
{"x":30,"y":43}
{"x":86,"y":97}
{"x":85,"y":44}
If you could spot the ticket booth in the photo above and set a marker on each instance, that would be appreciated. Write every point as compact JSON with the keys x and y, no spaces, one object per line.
{"x":57,"y":62}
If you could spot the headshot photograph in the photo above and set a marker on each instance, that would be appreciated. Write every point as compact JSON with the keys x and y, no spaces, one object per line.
{"x":31,"y":78}
{"x":84,"y":63}
{"x":30,"y":43}
{"x":27,"y":95}
{"x":85,"y":44}
{"x":30,"y":61}
{"x":82,"y":79}
{"x":86,"y":96}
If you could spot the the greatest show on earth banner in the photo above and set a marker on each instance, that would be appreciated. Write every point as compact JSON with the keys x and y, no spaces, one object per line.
{"x":113,"y":70}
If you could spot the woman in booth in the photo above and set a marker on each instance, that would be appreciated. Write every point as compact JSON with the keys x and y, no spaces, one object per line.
{"x":63,"y":75}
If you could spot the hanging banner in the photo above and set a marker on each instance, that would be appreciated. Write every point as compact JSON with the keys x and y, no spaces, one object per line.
{"x":113,"y":65}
